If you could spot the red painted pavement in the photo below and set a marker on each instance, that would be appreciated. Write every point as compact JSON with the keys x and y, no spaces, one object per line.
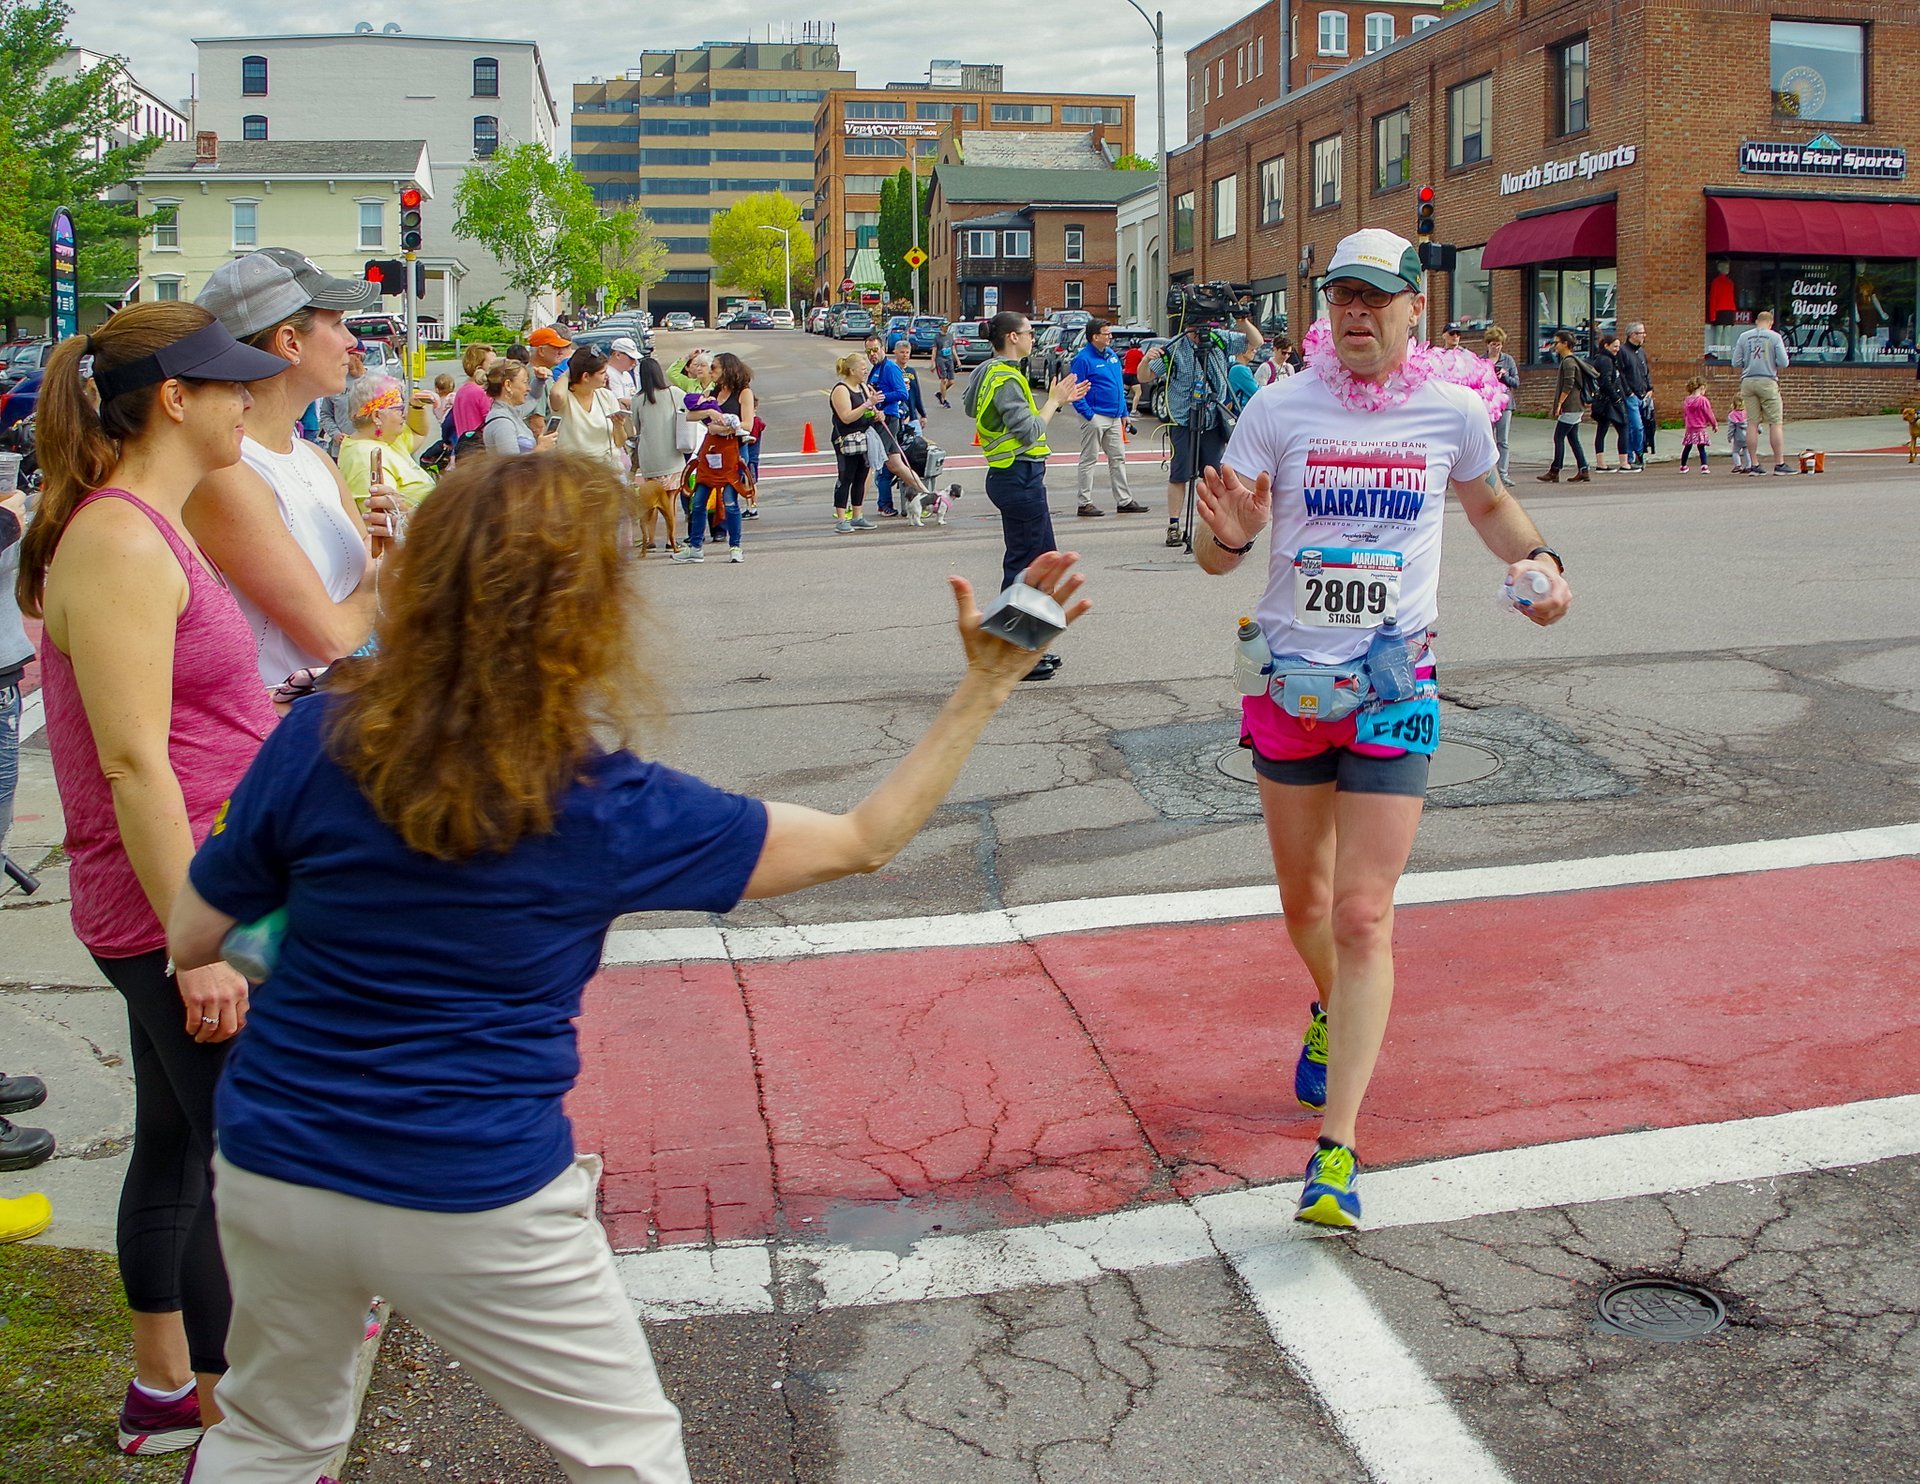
{"x":1091,"y":1071}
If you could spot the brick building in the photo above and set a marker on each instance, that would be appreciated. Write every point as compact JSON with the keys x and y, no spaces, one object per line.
{"x":1025,"y":239}
{"x":1237,"y":69}
{"x":1649,"y":160}
{"x":861,"y":137}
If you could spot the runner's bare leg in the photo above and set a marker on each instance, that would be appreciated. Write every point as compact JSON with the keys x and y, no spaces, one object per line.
{"x":1300,"y":834}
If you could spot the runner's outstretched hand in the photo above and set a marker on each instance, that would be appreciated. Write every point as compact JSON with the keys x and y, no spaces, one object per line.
{"x":1551,"y":606}
{"x":990,"y":656}
{"x":1234,"y":510}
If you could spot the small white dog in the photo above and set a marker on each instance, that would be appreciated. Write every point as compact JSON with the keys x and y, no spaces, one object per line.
{"x":939,"y":501}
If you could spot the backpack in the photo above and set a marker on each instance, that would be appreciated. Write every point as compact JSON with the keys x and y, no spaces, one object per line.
{"x":1587,"y":378}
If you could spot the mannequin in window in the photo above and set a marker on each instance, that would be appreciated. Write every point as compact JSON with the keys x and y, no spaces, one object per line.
{"x":1720,"y":298}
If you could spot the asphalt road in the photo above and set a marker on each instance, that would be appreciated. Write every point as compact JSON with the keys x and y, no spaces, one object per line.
{"x":1698,"y":1058}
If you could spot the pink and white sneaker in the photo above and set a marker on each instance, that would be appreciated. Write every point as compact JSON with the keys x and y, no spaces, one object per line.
{"x":148,"y":1426}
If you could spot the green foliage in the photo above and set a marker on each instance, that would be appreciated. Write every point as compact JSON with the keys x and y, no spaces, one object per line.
{"x":535,"y":214}
{"x":483,"y":322}
{"x":1133,"y":162}
{"x":629,"y":258}
{"x":896,"y":234}
{"x":48,"y":126}
{"x":749,"y":257}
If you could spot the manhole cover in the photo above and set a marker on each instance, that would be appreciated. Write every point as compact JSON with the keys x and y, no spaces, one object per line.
{"x":1453,"y":762}
{"x":1660,"y":1309}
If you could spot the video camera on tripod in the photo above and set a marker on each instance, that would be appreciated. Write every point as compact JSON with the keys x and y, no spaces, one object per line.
{"x":1212,"y":306}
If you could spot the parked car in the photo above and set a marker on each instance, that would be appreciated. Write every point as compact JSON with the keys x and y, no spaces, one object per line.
{"x":759,"y":321}
{"x":381,"y":359}
{"x":388,"y":329}
{"x":1046,"y":350}
{"x":679,"y":320}
{"x":601,"y":337}
{"x":925,"y":332}
{"x":22,"y":358}
{"x":782,"y":318}
{"x":1069,"y":318}
{"x":970,"y":343}
{"x":698,"y":323}
{"x":897,"y":325}
{"x":20,"y":400}
{"x":1070,"y":340}
{"x":855,"y":324}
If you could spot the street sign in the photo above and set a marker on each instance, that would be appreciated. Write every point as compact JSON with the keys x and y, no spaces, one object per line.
{"x":65,"y":319}
{"x":990,"y":299}
{"x":419,"y":364}
{"x":915,"y":258}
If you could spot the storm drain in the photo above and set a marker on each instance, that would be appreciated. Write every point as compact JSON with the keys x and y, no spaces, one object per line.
{"x":1660,"y":1309}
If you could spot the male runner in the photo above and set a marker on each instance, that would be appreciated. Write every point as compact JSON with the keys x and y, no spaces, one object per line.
{"x":1354,"y":497}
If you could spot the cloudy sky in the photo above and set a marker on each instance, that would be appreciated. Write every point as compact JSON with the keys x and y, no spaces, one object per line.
{"x":1065,"y":45}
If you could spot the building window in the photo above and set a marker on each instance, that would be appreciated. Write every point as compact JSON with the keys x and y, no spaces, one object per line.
{"x":1333,"y":33}
{"x":886,"y":148}
{"x":853,"y":221}
{"x":1113,"y":296}
{"x":486,"y":77}
{"x":1579,"y":300}
{"x":1472,"y":291}
{"x":1570,"y":87}
{"x":967,"y":113}
{"x":981,"y":244}
{"x":1076,"y":244}
{"x":486,"y":136}
{"x":1273,"y":184}
{"x":1074,"y":290}
{"x":253,"y":77}
{"x":1239,"y":66}
{"x":1421,"y":22}
{"x":1819,"y":71}
{"x":1206,"y":85}
{"x":1470,"y":122}
{"x":860,"y":108}
{"x":1021,"y":113}
{"x":1073,"y":113}
{"x":253,"y":126}
{"x":166,"y":290}
{"x":1260,"y":55}
{"x":1390,"y":167}
{"x":1379,"y":32}
{"x":1017,"y":244}
{"x":166,"y":226}
{"x":373,"y":217}
{"x":864,"y":185}
{"x":246,"y":224}
{"x":1326,"y":172}
{"x":1220,"y":82}
{"x":1183,"y":222}
{"x":1226,"y":206}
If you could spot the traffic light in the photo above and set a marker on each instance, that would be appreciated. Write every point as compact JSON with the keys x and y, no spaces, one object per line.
{"x":389,"y":273}
{"x":1424,"y":225}
{"x":410,"y":220}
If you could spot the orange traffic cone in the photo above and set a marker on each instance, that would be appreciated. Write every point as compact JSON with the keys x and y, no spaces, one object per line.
{"x":976,"y":437}
{"x":807,"y":445}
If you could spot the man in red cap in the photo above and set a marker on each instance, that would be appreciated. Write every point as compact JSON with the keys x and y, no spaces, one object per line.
{"x":550,"y":350}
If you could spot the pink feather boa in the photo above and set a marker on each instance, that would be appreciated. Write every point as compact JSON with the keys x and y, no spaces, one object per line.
{"x":1422,"y":364}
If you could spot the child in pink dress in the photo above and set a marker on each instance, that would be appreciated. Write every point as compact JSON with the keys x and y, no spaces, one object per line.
{"x":1701,"y":423}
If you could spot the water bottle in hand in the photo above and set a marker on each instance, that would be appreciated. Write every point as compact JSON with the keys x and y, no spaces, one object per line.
{"x":1517,"y":597}
{"x":1252,"y":660}
{"x":253,"y":948}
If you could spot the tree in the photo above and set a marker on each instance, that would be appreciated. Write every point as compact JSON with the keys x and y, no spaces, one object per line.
{"x":1134,"y":162}
{"x":896,"y":234}
{"x":632,"y":260}
{"x":536,"y":215}
{"x":48,"y":130}
{"x":745,"y":257}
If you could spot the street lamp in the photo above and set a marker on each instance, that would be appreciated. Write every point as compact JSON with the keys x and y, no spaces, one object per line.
{"x":1159,"y":286}
{"x":786,"y":252}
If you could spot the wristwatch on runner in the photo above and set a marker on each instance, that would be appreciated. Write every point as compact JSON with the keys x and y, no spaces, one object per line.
{"x":1540,"y":551}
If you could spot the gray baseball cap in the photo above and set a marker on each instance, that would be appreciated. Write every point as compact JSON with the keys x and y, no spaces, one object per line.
{"x":256,"y":292}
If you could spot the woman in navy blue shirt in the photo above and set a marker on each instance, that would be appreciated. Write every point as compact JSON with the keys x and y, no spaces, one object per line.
{"x":451,"y":843}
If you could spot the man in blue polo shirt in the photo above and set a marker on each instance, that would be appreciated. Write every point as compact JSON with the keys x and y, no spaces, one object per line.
{"x":890,"y":381}
{"x":1103,"y":417}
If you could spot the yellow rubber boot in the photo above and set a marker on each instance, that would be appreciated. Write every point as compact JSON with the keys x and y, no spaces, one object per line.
{"x":24,"y":1216}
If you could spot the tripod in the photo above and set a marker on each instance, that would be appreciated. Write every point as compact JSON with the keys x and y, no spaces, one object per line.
{"x":1204,"y":405}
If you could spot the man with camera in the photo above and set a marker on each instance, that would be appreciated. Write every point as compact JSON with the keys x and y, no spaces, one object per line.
{"x":1199,"y":391}
{"x":1349,"y":466}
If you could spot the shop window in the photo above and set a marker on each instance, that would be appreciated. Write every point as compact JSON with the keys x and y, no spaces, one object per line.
{"x":1829,"y":311}
{"x":1819,"y":71}
{"x":1379,"y":32}
{"x":253,"y":126}
{"x":1183,"y":222}
{"x":1273,"y":184}
{"x":1333,"y":33}
{"x":1578,"y":299}
{"x":486,"y":77}
{"x":1390,"y":166}
{"x":1326,"y":172}
{"x":1226,"y":206}
{"x":1472,"y":291}
{"x":253,"y":77}
{"x":1570,"y":86}
{"x":1470,"y":122}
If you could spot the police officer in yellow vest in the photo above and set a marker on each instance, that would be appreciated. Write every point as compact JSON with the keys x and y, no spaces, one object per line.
{"x":1013,"y":437}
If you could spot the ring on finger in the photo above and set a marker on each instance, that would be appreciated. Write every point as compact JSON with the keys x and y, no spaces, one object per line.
{"x":209,"y":1019}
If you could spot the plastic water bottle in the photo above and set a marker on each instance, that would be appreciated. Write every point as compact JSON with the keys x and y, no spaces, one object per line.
{"x":1517,"y":598}
{"x":1390,"y":663}
{"x":1252,"y":660}
{"x":253,"y":948}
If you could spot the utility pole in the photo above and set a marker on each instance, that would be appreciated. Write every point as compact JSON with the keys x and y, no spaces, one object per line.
{"x":913,"y":214}
{"x":1157,"y":285}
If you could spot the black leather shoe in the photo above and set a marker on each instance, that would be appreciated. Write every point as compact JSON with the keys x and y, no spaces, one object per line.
{"x":17,"y":1094}
{"x":23,"y":1148}
{"x":1046,"y":669}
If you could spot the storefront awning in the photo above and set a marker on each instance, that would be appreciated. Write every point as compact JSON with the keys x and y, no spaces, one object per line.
{"x":1813,"y":229}
{"x":1578,"y":232}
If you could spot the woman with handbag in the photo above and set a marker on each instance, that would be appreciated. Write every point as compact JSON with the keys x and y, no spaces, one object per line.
{"x":658,"y":461}
{"x":854,"y":405}
{"x":720,"y":469}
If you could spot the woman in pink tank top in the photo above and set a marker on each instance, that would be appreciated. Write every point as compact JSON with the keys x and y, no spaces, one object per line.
{"x":154,"y":709}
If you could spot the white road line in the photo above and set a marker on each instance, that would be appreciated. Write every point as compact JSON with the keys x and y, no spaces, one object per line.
{"x":1045,"y":919}
{"x":739,"y":1277}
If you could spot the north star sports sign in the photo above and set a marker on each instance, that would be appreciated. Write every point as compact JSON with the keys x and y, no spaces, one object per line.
{"x":1824,"y":156}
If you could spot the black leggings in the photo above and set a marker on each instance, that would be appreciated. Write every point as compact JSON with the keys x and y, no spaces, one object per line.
{"x":1601,"y":427}
{"x":850,"y":485}
{"x":169,"y":1250}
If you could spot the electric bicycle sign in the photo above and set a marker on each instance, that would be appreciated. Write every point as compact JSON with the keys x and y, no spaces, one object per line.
{"x":65,"y":316}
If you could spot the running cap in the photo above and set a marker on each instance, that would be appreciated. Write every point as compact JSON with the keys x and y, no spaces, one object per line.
{"x":1378,"y":258}
{"x":256,"y":292}
{"x":624,"y":346}
{"x":547,"y":335}
{"x":210,"y":353}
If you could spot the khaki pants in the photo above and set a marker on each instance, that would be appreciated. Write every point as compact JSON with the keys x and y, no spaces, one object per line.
{"x":1103,"y":435}
{"x":524,"y":1297}
{"x":1760,"y":395}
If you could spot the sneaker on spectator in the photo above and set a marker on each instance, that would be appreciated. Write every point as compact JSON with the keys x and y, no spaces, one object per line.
{"x":148,"y":1426}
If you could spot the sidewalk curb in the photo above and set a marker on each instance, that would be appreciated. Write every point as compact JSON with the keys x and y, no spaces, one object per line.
{"x":362,"y":1378}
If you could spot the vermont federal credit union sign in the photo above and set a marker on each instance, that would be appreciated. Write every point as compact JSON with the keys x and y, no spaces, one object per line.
{"x":1824,"y":155}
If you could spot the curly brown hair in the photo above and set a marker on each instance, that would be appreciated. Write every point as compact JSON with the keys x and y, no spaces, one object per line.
{"x":507,"y":652}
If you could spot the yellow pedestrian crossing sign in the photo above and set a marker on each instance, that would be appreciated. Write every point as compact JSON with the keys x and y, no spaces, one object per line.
{"x":915,"y":258}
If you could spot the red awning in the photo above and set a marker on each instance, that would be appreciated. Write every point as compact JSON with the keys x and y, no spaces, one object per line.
{"x":1578,"y":232}
{"x":1813,"y":229}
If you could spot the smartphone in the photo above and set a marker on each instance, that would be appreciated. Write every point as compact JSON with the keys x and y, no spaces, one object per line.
{"x":374,"y":467}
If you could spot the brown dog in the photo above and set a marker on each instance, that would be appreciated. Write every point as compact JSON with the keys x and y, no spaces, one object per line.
{"x":1912,"y":416}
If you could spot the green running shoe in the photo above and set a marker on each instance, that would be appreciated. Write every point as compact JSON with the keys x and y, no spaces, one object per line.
{"x":1310,"y":1072}
{"x":1332,"y":1194}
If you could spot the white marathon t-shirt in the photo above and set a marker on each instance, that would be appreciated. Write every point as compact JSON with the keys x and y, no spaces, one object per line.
{"x":1363,"y":484}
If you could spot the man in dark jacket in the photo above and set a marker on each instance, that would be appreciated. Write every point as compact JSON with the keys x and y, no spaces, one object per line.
{"x":1637,"y":378}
